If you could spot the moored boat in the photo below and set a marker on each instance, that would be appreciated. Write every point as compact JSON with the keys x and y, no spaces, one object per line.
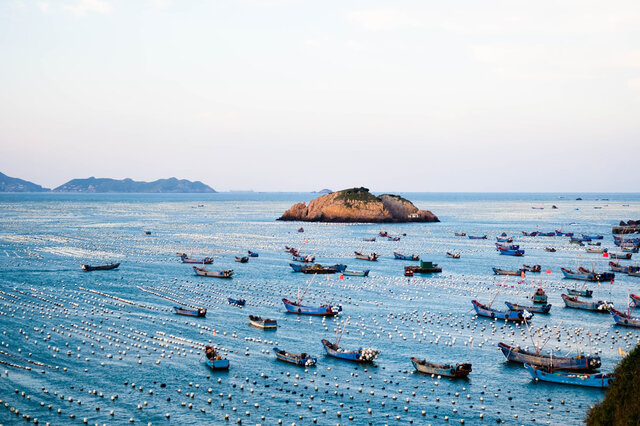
{"x":303,"y":359}
{"x":621,"y":256}
{"x":349,"y":273}
{"x":202,"y":272}
{"x":454,"y":255}
{"x":540,"y":296}
{"x":424,"y":268}
{"x":534,"y":268}
{"x":252,"y":253}
{"x":371,"y":256}
{"x":507,"y":252}
{"x":361,"y":355}
{"x":624,"y":318}
{"x":635,"y":299}
{"x":592,"y":237}
{"x":582,"y":293}
{"x":500,"y":246}
{"x":564,"y":234}
{"x":550,"y":249}
{"x":196,"y":312}
{"x":498,"y":271}
{"x":616,"y":267}
{"x":596,"y":250}
{"x":595,"y":380}
{"x":445,"y":370}
{"x":489,"y":312}
{"x":585,"y":275}
{"x":309,"y":258}
{"x":187,"y":259}
{"x":472,"y":237}
{"x":578,"y":363}
{"x":324,"y":310}
{"x":544,"y":309}
{"x":460,"y":234}
{"x":243,"y":259}
{"x":214,"y":360}
{"x":236,"y":302}
{"x":89,"y":268}
{"x":264,"y":323}
{"x":575,"y":303}
{"x":504,"y":240}
{"x":400,"y":256}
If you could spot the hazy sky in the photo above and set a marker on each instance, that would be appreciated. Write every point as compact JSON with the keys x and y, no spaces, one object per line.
{"x":301,"y":95}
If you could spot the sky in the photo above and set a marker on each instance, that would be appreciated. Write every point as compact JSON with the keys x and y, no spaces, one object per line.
{"x":285,"y":95}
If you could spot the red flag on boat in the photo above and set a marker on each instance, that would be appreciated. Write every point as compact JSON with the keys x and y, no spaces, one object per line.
{"x":605,"y":254}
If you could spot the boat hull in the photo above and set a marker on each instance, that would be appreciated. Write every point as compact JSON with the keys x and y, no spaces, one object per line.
{"x":581,"y":363}
{"x":485,"y":311}
{"x":625,"y":320}
{"x":445,"y":370}
{"x":533,"y":309}
{"x":89,"y":268}
{"x":599,"y":380}
{"x":325,"y":310}
{"x":297,"y":359}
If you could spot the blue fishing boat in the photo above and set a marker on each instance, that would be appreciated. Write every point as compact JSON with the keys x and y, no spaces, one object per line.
{"x":626,"y":242}
{"x":487,"y":311}
{"x":579,"y":362}
{"x":544,"y":309}
{"x":547,"y":234}
{"x":635,"y":300}
{"x":263,"y":323}
{"x":214,"y":360}
{"x":585,"y":275}
{"x":507,"y":247}
{"x":303,"y":359}
{"x":591,"y":237}
{"x":236,"y":302}
{"x":252,"y":253}
{"x":198,"y":312}
{"x":472,"y":237}
{"x":202,"y":272}
{"x":324,"y":310}
{"x":504,"y":239}
{"x":624,"y":318}
{"x":445,"y":370}
{"x":575,"y":303}
{"x":361,"y":355}
{"x":582,"y":293}
{"x":564,"y":234}
{"x":530,"y":234}
{"x":506,"y":252}
{"x":297,"y":267}
{"x":304,"y":259}
{"x":406,"y":256}
{"x":371,"y":256}
{"x":534,"y":268}
{"x":596,"y":380}
{"x":540,"y":296}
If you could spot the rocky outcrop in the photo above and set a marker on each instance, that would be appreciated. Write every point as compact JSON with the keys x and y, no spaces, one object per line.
{"x":358,"y":205}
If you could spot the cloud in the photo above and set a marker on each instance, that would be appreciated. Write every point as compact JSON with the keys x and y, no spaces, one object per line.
{"x":83,"y":7}
{"x":383,"y":19}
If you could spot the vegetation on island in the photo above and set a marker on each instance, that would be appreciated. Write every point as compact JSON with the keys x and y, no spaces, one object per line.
{"x":620,"y":405}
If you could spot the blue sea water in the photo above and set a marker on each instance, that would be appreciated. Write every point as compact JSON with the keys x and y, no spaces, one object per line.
{"x":106,"y":347}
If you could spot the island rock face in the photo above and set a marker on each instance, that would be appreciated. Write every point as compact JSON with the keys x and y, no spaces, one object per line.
{"x":171,"y":185}
{"x":358,"y":205}
{"x":11,"y":184}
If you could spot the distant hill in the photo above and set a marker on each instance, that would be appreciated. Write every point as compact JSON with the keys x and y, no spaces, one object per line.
{"x":323,"y":191}
{"x":10,"y":184}
{"x":93,"y":184}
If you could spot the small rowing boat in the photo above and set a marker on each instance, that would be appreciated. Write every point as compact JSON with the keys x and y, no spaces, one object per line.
{"x":349,"y":273}
{"x":214,"y":360}
{"x":621,"y":256}
{"x":324,"y":310}
{"x":303,"y":359}
{"x":371,"y":256}
{"x":263,"y":323}
{"x":597,"y":380}
{"x":498,"y":271}
{"x":445,"y":370}
{"x":89,"y":268}
{"x":616,"y":267}
{"x":236,"y":302}
{"x":361,"y":355}
{"x":252,"y":253}
{"x":534,"y":268}
{"x":243,"y":259}
{"x":507,"y":252}
{"x":304,"y":259}
{"x":187,"y":259}
{"x":540,"y":296}
{"x":202,"y":272}
{"x":472,"y":237}
{"x":198,"y":312}
{"x":454,"y":255}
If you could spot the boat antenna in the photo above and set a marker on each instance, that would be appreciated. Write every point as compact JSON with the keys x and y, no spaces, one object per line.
{"x":344,"y":326}
{"x":307,"y":289}
{"x":498,"y":292}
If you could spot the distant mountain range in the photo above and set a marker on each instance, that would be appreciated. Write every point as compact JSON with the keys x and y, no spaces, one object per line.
{"x":95,"y":185}
{"x":10,"y":184}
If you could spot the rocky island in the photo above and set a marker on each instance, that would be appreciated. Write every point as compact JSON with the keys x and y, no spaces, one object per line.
{"x":358,"y":205}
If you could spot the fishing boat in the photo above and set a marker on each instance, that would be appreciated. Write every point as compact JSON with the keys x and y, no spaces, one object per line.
{"x":197,"y":312}
{"x":383,"y":233}
{"x":89,"y":268}
{"x":252,"y":253}
{"x":460,"y":234}
{"x":296,"y":267}
{"x":624,"y":318}
{"x":635,"y":299}
{"x":264,"y":323}
{"x":454,"y":255}
{"x":424,"y":268}
{"x":498,"y":271}
{"x":390,"y":238}
{"x":236,"y":302}
{"x":303,"y":359}
{"x":581,"y":293}
{"x":243,"y":259}
{"x":300,"y":229}
{"x":361,"y":355}
{"x":540,"y":296}
{"x":500,"y":246}
{"x":616,"y":267}
{"x":577,"y":241}
{"x":304,"y":259}
{"x":507,"y":252}
{"x":349,"y":273}
{"x":547,"y":234}
{"x":530,"y":234}
{"x":399,"y":256}
{"x":550,"y":249}
{"x":626,"y":242}
{"x":534,"y":268}
{"x":586,"y":276}
{"x":444,"y":370}
{"x":214,"y":360}
{"x":202,"y":272}
{"x":318,"y":269}
{"x":629,"y":249}
{"x":472,"y":237}
{"x":596,"y":380}
{"x":324,"y":310}
{"x":578,"y":363}
{"x":596,"y":250}
{"x":147,"y":232}
{"x":371,"y":256}
{"x":575,"y":303}
{"x":625,"y":256}
{"x":591,"y":243}
{"x":187,"y":259}
{"x":371,"y":239}
{"x":488,"y":311}
{"x":604,"y":276}
{"x":592,"y":237}
{"x":504,"y":240}
{"x":564,"y":234}
{"x":634,"y":271}
{"x":544,"y":309}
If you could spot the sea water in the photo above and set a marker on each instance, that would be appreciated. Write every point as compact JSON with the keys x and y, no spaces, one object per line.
{"x":106,"y":347}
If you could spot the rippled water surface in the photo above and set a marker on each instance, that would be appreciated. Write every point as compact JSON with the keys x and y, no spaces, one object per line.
{"x":105,"y":346}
